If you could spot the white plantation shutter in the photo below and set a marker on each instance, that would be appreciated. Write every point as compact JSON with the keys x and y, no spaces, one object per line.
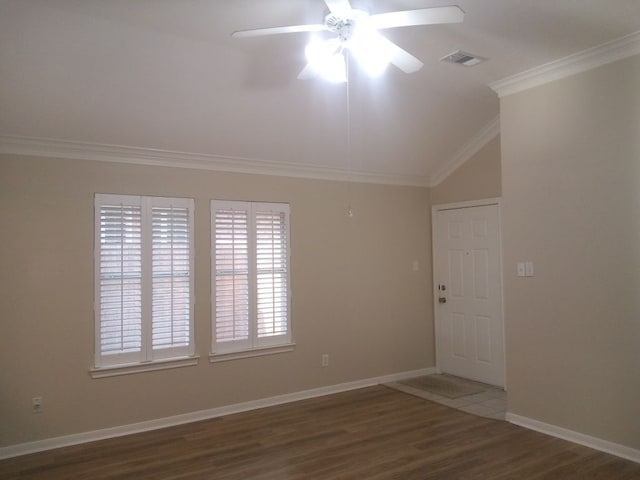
{"x":250,"y":258}
{"x":231,"y":271}
{"x":144,"y":282}
{"x":272,"y":273}
{"x":119,"y":286}
{"x":172,"y":330}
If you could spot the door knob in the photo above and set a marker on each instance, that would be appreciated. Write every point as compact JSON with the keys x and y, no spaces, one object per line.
{"x":442,"y":299}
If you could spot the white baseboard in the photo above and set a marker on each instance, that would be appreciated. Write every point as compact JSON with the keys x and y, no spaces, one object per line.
{"x":92,"y":436}
{"x":575,"y":437}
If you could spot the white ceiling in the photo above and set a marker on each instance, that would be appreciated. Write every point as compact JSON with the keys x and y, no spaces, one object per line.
{"x":165,"y":74}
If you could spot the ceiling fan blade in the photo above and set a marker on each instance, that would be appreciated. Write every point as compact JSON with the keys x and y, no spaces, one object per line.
{"x":257,"y":32}
{"x":400,"y":57}
{"x":338,"y":7}
{"x":422,"y":16}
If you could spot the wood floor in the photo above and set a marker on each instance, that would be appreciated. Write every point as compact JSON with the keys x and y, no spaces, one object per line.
{"x":373,"y":433}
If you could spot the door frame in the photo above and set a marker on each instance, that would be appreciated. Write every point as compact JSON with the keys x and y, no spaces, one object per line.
{"x":435,"y":209}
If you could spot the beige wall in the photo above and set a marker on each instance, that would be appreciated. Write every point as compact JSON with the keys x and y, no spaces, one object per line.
{"x":571,"y":204}
{"x":355,"y":295}
{"x":478,"y":178}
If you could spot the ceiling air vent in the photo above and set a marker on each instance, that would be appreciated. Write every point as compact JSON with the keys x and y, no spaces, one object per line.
{"x":463,"y":58}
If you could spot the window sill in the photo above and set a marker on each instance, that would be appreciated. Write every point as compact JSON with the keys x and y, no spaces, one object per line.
{"x":115,"y":370}
{"x":253,"y":352}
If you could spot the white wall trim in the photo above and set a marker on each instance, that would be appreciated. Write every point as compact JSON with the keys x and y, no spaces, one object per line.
{"x":55,"y":148}
{"x":85,"y":437}
{"x":130,"y":369}
{"x":612,"y":51}
{"x":483,"y":202}
{"x":468,"y":150}
{"x":251,"y":352}
{"x":575,"y":437}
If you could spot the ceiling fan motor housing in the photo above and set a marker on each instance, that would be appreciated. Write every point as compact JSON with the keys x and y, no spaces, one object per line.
{"x":344,"y":25}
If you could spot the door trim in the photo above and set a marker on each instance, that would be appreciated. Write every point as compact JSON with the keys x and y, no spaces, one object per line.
{"x":434,"y":250}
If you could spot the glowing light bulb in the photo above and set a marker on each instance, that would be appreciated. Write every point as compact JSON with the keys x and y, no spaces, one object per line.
{"x":317,"y":53}
{"x":335,"y":70}
{"x":370,"y":50}
{"x":324,"y":60}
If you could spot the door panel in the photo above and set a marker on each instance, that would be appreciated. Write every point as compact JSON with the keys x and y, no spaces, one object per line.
{"x":458,"y":335}
{"x":469,"y":324}
{"x":481,"y":274}
{"x":456,"y":273}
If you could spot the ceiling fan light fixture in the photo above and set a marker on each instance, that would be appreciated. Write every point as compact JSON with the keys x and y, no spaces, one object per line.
{"x":335,"y":70}
{"x":371,"y":52}
{"x":326,"y":59}
{"x":319,"y":52}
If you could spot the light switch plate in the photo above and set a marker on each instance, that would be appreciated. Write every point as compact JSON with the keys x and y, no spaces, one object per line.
{"x":521,"y":269}
{"x":528,"y":269}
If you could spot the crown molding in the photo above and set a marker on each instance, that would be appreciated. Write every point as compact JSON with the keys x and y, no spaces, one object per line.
{"x":468,"y":150}
{"x":612,"y":51}
{"x":68,"y":149}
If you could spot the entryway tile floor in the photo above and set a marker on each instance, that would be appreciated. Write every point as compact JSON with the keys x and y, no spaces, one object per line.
{"x":491,"y":403}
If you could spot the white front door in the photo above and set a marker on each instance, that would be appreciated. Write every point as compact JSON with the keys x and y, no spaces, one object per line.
{"x":468,"y":292}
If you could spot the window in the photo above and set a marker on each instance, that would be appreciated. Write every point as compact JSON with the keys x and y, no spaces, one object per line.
{"x":144,"y":279}
{"x":250,"y":270}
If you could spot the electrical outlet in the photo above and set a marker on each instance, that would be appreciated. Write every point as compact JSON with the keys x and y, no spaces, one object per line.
{"x":36,"y":404}
{"x":325,"y":360}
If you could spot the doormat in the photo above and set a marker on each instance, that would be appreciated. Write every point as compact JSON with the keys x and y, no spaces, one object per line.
{"x":446,"y":386}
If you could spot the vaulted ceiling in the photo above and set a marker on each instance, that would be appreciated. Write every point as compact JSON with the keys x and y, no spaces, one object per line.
{"x":166,"y":75}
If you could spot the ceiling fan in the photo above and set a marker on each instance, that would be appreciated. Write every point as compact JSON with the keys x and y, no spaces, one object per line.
{"x":356,"y":30}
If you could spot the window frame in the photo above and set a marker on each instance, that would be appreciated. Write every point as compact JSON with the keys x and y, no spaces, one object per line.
{"x":147,"y":357}
{"x":254,"y":344}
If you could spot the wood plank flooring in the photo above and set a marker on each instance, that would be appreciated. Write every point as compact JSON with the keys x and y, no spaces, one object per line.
{"x":373,"y":433}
